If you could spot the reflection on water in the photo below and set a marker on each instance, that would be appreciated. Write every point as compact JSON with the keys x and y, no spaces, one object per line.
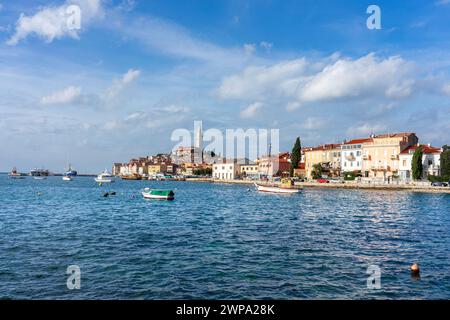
{"x":219,"y":242}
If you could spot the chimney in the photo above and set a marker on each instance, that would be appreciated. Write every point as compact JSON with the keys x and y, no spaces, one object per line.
{"x":429,"y":145}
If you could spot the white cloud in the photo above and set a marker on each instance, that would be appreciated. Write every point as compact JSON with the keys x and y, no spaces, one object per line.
{"x":293,"y":105}
{"x":256,"y":82}
{"x":249,"y":48}
{"x":65,"y":96}
{"x":312,"y":123}
{"x":366,"y":129}
{"x":51,"y":22}
{"x":266,"y":45}
{"x":300,"y":82}
{"x":367,"y":76}
{"x":251,"y":110}
{"x":119,"y":84}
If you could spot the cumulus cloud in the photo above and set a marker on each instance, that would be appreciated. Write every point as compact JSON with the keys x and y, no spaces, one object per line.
{"x":251,"y":110}
{"x":300,"y":81}
{"x":53,"y":22}
{"x":65,"y":96}
{"x":258,"y":81}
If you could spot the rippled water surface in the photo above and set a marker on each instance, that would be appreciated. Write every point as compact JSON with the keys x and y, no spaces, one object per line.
{"x":219,"y":242}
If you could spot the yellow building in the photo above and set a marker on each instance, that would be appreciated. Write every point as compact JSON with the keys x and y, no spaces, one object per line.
{"x":155,"y":168}
{"x":381,"y":155}
{"x":249,"y":170}
{"x":328,"y":155}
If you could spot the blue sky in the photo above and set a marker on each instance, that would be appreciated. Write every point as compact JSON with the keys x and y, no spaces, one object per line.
{"x":137,"y":70}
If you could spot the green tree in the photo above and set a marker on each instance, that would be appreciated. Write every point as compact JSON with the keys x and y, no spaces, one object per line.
{"x":417,"y":168}
{"x":445,"y":162}
{"x":317,"y":171}
{"x":296,"y":156}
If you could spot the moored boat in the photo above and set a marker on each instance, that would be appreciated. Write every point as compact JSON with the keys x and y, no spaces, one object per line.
{"x":286,"y":187}
{"x":133,"y":176}
{"x":15,"y":175}
{"x":104,"y":177}
{"x":39,"y":173}
{"x":156,"y":194}
{"x":67,"y":178}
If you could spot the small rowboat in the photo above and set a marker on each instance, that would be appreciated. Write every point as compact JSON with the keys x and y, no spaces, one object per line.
{"x":158,"y":194}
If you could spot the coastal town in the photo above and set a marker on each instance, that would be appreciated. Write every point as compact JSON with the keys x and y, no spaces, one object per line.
{"x":377,"y":159}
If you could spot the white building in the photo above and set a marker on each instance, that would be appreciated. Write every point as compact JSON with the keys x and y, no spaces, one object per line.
{"x":227,"y":169}
{"x":351,"y":156}
{"x":431,"y":160}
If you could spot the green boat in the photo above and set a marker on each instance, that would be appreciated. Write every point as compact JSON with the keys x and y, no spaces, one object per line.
{"x":156,"y":194}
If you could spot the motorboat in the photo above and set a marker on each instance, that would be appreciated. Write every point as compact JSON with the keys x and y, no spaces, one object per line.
{"x":104,"y":177}
{"x":67,"y":178}
{"x":39,"y":172}
{"x":156,"y":194}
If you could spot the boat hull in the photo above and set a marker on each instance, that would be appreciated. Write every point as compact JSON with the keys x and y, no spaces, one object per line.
{"x":103,"y":180}
{"x":68,"y":178}
{"x":276,"y":189}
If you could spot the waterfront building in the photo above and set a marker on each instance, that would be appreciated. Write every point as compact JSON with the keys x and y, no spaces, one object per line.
{"x":226,"y":169}
{"x":351,"y":155}
{"x":381,"y":154}
{"x":430,"y":161}
{"x":155,"y":168}
{"x":172,"y":168}
{"x":300,"y":171}
{"x":327,"y":155}
{"x":271,"y":166}
{"x":116,"y":169}
{"x":249,"y":170}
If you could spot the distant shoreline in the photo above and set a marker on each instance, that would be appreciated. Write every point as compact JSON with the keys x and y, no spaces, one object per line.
{"x":362,"y":186}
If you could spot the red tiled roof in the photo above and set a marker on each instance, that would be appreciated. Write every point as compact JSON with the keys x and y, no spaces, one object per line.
{"x":392,"y":135}
{"x":323,"y":147}
{"x":358,"y":141}
{"x":425,"y":148}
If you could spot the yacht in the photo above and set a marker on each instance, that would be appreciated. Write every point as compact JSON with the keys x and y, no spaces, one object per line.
{"x":39,"y":172}
{"x":104,"y":177}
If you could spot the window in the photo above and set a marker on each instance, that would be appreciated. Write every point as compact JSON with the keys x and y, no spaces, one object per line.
{"x":404,"y":162}
{"x":358,"y":153}
{"x":430,"y":162}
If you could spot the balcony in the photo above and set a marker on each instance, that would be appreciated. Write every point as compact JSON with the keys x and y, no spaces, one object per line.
{"x":366,"y":157}
{"x":394,"y":156}
{"x":350,"y":157}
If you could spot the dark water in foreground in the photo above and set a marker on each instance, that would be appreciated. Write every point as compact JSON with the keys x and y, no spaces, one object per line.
{"x":219,"y":242}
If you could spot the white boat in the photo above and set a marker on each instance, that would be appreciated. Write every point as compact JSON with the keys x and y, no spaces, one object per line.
{"x":104,"y":177}
{"x":286,"y":187}
{"x":40,"y":178}
{"x":67,"y":178}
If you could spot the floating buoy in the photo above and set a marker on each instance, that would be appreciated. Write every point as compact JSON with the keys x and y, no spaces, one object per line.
{"x":415,"y":269}
{"x":39,"y":193}
{"x":106,"y":194}
{"x":113,"y":193}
